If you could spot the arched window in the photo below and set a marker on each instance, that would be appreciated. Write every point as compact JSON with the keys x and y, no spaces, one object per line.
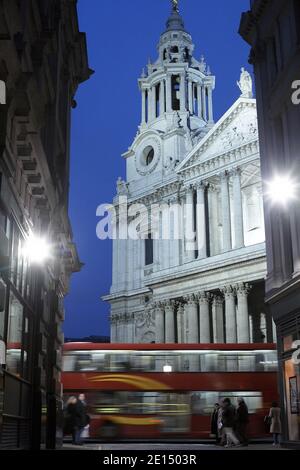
{"x":149,"y":250}
{"x":150,"y":157}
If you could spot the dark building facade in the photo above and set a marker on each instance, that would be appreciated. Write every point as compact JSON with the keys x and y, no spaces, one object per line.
{"x":272,"y":28}
{"x":43,"y":59}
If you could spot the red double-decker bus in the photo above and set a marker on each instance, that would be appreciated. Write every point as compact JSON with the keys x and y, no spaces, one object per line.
{"x":164,"y":390}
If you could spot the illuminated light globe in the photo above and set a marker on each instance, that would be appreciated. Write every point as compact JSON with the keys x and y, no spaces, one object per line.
{"x":36,"y":249}
{"x":281,"y":189}
{"x":167,"y":368}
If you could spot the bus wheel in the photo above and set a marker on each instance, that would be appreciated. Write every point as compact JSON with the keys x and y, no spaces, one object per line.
{"x":108,"y":430}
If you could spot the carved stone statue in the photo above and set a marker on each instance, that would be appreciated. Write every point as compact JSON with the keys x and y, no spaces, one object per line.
{"x":175,"y":4}
{"x":245,"y":84}
{"x":122,"y":187}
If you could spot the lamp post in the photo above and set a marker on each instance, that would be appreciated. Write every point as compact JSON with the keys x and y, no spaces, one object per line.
{"x":37,"y":251}
{"x":281,"y":189}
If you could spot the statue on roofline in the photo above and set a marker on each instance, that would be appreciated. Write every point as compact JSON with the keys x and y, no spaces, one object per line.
{"x":175,"y":5}
{"x":245,"y":84}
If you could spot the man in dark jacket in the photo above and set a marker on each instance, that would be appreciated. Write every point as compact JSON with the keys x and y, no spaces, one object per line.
{"x":214,"y":423}
{"x":81,"y":418}
{"x":242,"y":420}
{"x":228,"y":420}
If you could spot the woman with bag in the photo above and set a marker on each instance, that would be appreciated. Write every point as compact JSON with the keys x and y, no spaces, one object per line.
{"x":275,"y":420}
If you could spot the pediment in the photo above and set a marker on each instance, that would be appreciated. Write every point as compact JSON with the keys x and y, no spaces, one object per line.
{"x":237,"y":127}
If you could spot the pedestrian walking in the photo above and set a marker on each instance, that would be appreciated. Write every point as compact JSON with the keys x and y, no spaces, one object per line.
{"x":228,"y":420}
{"x":242,"y":420}
{"x":275,"y":427}
{"x":214,"y":430}
{"x":70,"y":418}
{"x":81,"y":418}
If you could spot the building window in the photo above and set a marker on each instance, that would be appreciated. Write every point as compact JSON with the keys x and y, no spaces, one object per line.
{"x":14,"y":335}
{"x":157,"y":103}
{"x":19,"y":265}
{"x":148,"y":155}
{"x":175,"y":92}
{"x":149,"y":250}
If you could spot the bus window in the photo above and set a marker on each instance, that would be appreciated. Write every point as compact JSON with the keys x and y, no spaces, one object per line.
{"x":83,"y":362}
{"x":98,"y":361}
{"x":69,"y":363}
{"x":202,"y":403}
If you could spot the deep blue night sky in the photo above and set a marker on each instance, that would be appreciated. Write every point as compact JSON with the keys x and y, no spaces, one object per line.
{"x":121,"y":35}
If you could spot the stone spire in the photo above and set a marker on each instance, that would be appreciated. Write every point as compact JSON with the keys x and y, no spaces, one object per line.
{"x":175,"y":21}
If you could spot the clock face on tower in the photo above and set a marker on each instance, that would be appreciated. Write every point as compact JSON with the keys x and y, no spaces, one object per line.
{"x":147,"y":156}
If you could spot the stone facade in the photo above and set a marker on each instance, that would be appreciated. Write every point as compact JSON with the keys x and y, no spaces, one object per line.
{"x":205,"y":286}
{"x":272,"y":28}
{"x":42,"y":61}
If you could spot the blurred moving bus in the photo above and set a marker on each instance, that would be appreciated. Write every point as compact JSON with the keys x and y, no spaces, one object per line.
{"x":164,"y":390}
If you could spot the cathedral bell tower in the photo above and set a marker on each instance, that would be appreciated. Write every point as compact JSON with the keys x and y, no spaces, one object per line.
{"x":177,"y":106}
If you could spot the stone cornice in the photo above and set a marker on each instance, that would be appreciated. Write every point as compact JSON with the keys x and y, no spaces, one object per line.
{"x":159,"y":194}
{"x":208,"y":168}
{"x":216,"y":264}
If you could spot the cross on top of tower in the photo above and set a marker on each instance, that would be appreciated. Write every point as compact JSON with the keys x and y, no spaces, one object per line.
{"x":175,"y":5}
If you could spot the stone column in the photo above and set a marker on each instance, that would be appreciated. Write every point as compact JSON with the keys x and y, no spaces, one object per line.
{"x":170,"y":321}
{"x":251,"y":328}
{"x":189,"y":225}
{"x":238,"y":209}
{"x":130,"y":260}
{"x":169,"y":94}
{"x":150,"y":110}
{"x":180,"y":324}
{"x":182,"y":93}
{"x":213,"y":220}
{"x":159,"y":323}
{"x":210,"y":106}
{"x":182,"y":218}
{"x":153,"y":102}
{"x":130,"y":320}
{"x":137,"y":263}
{"x":124,"y":331}
{"x":113,"y":328}
{"x":199,"y":98}
{"x":201,"y":221}
{"x":218,"y":321}
{"x":143,"y":106}
{"x":192,"y":314}
{"x":191,"y":100}
{"x":204,"y":108}
{"x":204,"y":322}
{"x":165,"y":242}
{"x":243,"y":323}
{"x":226,"y":221}
{"x":175,"y":221}
{"x":115,"y":271}
{"x":230,"y":314}
{"x":162,"y":98}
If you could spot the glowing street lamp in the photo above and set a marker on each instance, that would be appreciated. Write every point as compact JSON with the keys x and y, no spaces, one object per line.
{"x":37,"y":250}
{"x":281,"y":189}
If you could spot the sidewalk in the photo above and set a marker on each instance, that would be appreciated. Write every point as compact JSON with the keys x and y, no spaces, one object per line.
{"x":166,"y":447}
